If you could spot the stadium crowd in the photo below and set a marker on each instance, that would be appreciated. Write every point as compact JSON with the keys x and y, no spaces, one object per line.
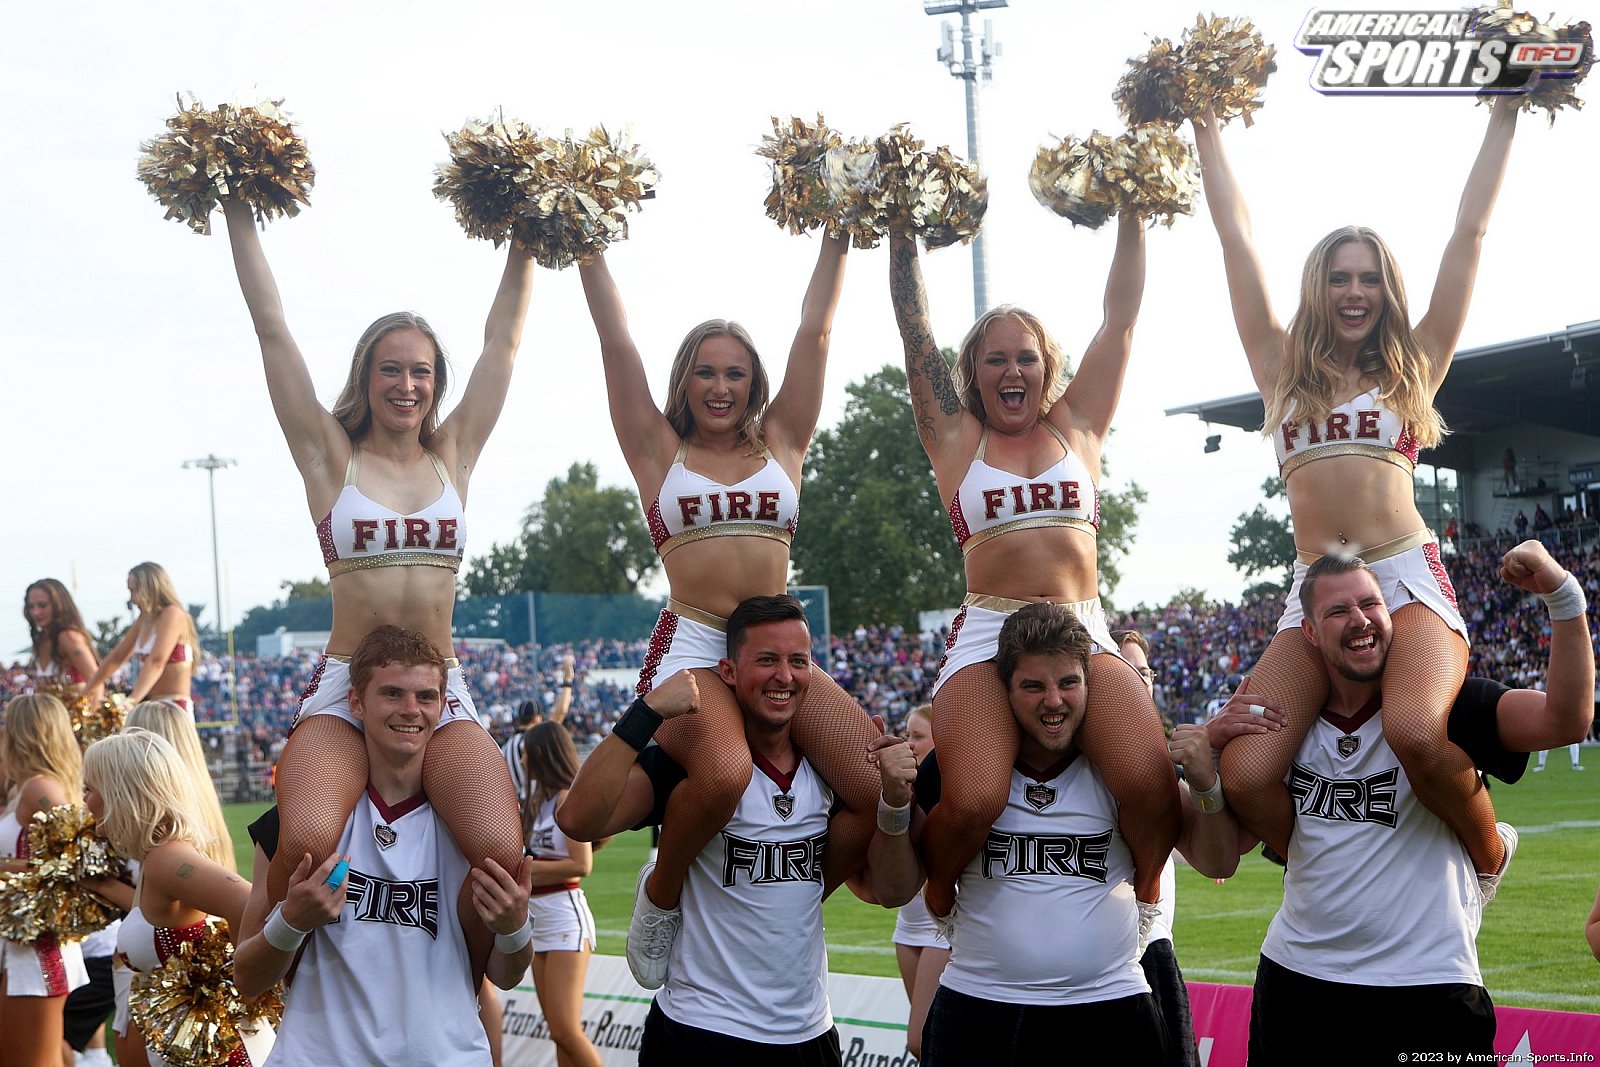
{"x":1200,"y":651}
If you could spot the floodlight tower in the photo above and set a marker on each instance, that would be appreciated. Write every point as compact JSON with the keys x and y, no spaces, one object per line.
{"x":211,"y":465}
{"x":968,"y":69}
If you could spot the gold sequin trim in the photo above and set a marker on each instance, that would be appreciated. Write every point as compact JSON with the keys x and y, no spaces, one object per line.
{"x":393,"y":559}
{"x":694,"y":614}
{"x":725,"y":529}
{"x":1029,"y":522}
{"x":1378,"y":553}
{"x":1294,"y":463}
{"x":1082,"y":608}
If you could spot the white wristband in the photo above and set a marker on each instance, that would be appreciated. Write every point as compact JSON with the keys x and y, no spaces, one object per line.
{"x":894,"y":821}
{"x":1209,"y":801}
{"x":280,"y":934}
{"x":510,"y":944}
{"x":1567,"y":602}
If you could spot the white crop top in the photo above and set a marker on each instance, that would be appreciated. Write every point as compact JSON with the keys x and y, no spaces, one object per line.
{"x":691,"y":506}
{"x":991,"y":502}
{"x":1363,"y":426}
{"x":360,"y":533}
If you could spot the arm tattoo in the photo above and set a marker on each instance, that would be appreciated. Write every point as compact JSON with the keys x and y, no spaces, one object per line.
{"x":911,"y":312}
{"x":185,"y":870}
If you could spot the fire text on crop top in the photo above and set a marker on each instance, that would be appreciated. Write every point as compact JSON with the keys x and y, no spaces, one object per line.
{"x":360,"y":533}
{"x":1364,"y":426}
{"x":691,"y":506}
{"x":991,"y":502}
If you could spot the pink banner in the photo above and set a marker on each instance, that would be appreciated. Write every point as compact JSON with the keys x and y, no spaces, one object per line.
{"x":1222,"y":1030}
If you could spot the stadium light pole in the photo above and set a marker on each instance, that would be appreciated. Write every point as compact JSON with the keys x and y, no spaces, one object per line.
{"x":967,"y":69}
{"x":211,"y":464}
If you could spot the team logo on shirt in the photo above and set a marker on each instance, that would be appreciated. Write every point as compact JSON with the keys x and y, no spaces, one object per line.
{"x":1369,"y":799}
{"x":772,"y":862}
{"x":1039,"y":796}
{"x":1068,"y":855}
{"x":384,"y":835}
{"x":378,"y":900}
{"x":1348,"y":745}
{"x":783,"y":804}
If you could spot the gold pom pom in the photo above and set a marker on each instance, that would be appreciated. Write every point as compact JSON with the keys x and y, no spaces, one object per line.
{"x":89,"y":724}
{"x":49,"y":897}
{"x":1225,"y":64}
{"x":1148,"y":170}
{"x":560,"y":199}
{"x":189,"y":1010}
{"x":1161,"y":172}
{"x":1074,"y":179}
{"x":1221,"y":68}
{"x":1549,"y":93}
{"x":1152,"y":88}
{"x":249,"y":152}
{"x":857,"y":193}
{"x":934,"y":194}
{"x":799,"y":199}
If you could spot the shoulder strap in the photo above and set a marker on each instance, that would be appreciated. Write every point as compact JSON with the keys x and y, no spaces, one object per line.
{"x":983,"y":446}
{"x":1055,"y":432}
{"x":351,"y":468}
{"x":683,"y":450}
{"x":438,"y":467}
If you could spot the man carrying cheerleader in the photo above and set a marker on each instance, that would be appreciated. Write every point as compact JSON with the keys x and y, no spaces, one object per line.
{"x":747,"y":979}
{"x":1024,"y":992}
{"x":383,"y":973}
{"x":1381,"y":903}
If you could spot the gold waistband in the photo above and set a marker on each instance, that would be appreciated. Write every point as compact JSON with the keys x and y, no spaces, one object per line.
{"x":1377,"y":553}
{"x":450,"y":662}
{"x":1028,"y":522}
{"x":726,"y":529}
{"x":1079,"y":608}
{"x":694,"y":614}
{"x":1353,"y":448}
{"x":393,"y":559}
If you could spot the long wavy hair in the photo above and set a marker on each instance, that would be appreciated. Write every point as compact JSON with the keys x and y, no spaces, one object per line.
{"x":153,"y":592}
{"x":353,"y":409}
{"x":1050,"y":354}
{"x":550,"y":761}
{"x":64,"y":616}
{"x":174,"y":724}
{"x":148,"y":793}
{"x":38,"y":741}
{"x":677,"y":409}
{"x":1392,"y":355}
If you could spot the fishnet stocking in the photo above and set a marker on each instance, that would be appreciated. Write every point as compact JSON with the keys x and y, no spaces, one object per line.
{"x":1290,"y":673}
{"x":832,"y":731}
{"x":1426,"y":666}
{"x":1122,"y":736}
{"x":710,"y":745}
{"x":976,"y":735}
{"x":469,"y":786}
{"x":321,"y":775}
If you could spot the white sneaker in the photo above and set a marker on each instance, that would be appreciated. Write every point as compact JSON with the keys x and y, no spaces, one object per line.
{"x":93,"y":1057}
{"x":1148,"y":914}
{"x":651,"y":935}
{"x":1577,"y":766}
{"x":1537,"y":768}
{"x":1489,"y":884}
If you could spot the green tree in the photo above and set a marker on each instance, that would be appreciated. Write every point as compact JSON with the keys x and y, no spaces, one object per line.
{"x":580,"y":538}
{"x":872,"y":526}
{"x":312,"y":588}
{"x":1263,"y":543}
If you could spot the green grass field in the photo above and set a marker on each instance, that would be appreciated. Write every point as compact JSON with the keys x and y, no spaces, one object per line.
{"x":1531,"y":948}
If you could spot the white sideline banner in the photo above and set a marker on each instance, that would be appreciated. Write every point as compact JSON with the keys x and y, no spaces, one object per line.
{"x":870,"y":1013}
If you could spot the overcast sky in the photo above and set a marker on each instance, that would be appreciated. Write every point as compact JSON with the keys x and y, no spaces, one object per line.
{"x":128,"y":349}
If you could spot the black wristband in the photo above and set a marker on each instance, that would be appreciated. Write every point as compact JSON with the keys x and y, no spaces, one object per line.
{"x":637,"y":725}
{"x":564,"y":685}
